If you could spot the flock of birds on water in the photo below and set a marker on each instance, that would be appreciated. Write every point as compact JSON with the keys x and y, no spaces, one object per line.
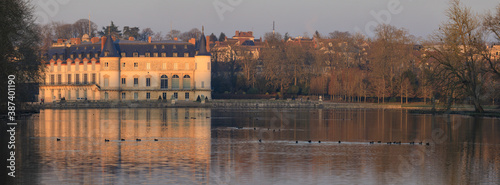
{"x":309,"y":141}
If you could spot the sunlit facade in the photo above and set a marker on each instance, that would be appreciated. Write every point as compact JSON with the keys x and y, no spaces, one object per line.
{"x":116,"y":70}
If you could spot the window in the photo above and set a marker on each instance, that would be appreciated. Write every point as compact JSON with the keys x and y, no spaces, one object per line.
{"x":72,"y":56}
{"x":164,"y":96}
{"x":186,"y":96}
{"x":175,"y":82}
{"x":88,"y":55}
{"x":186,"y":54}
{"x":175,"y":66}
{"x":136,"y":54}
{"x":106,"y":82}
{"x":202,"y":84}
{"x":69,"y":78}
{"x":164,"y":66}
{"x":124,"y":96}
{"x":96,"y":55}
{"x":147,"y":54}
{"x":85,"y":93}
{"x":124,"y":81}
{"x":154,"y":46}
{"x":136,"y":82}
{"x":163,"y":54}
{"x":124,"y":54}
{"x":77,"y":93}
{"x":162,"y":46}
{"x":174,"y":54}
{"x":136,"y":96}
{"x":77,"y":78}
{"x":148,"y":65}
{"x":176,"y":95}
{"x":85,"y":80}
{"x":51,"y":79}
{"x":106,"y":53}
{"x":185,"y":46}
{"x":123,"y":64}
{"x":54,"y":56}
{"x":59,"y":79}
{"x":106,"y":96}
{"x":186,"y":66}
{"x":106,"y":65}
{"x":69,"y":95}
{"x":61,"y":57}
{"x":186,"y":82}
{"x":148,"y":96}
{"x":175,"y":47}
{"x":155,"y":54}
{"x":148,"y":82}
{"x":136,"y":65}
{"x":164,"y":82}
{"x":93,"y":78}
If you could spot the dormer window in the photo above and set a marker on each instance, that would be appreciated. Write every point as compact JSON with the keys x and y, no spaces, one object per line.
{"x":79,"y":55}
{"x":175,"y":47}
{"x":136,"y":54}
{"x":124,"y":54}
{"x":147,"y":54}
{"x":155,"y":54}
{"x":154,"y":46}
{"x":185,"y":46}
{"x":175,"y":54}
{"x":54,"y":56}
{"x":162,"y":46}
{"x":163,"y":54}
{"x":96,"y":55}
{"x":72,"y":56}
{"x":88,"y":55}
{"x":106,"y":53}
{"x":61,"y":57}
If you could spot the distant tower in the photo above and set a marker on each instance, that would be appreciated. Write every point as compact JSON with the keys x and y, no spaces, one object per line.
{"x":110,"y":70}
{"x":202,"y":73}
{"x":273,"y":27}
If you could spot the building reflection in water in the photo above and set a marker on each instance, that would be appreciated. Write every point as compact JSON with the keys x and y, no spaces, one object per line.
{"x":181,"y":154}
{"x":220,"y":146}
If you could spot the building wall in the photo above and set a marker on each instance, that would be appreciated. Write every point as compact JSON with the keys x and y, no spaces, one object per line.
{"x":110,"y":71}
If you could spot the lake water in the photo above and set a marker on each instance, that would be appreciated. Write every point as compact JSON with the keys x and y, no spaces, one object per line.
{"x":221,"y":146}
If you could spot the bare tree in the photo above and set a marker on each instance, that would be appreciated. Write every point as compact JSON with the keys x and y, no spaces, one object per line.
{"x":459,"y":61}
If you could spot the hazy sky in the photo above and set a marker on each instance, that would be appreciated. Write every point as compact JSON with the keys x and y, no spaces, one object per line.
{"x":420,"y":17}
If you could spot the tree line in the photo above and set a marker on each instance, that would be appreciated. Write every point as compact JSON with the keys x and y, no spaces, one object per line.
{"x":454,"y":65}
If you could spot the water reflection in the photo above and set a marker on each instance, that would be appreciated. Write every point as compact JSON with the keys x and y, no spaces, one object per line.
{"x":221,"y":146}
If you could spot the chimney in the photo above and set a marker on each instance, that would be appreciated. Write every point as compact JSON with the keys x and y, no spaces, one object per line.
{"x":131,"y":38}
{"x":192,"y":41}
{"x":175,"y":38}
{"x":78,"y":41}
{"x":103,"y":40}
{"x":237,"y":33}
{"x":94,"y":40}
{"x":251,"y":33}
{"x":208,"y":42}
{"x":149,"y":39}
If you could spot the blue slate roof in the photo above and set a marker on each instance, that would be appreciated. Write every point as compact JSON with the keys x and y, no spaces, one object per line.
{"x":125,"y":47}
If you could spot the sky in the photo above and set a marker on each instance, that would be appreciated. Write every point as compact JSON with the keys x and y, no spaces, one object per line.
{"x":297,"y":17}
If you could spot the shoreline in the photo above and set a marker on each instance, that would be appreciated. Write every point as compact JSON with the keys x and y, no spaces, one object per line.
{"x":414,"y":108}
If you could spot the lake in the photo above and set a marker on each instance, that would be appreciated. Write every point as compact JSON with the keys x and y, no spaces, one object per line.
{"x":221,"y":146}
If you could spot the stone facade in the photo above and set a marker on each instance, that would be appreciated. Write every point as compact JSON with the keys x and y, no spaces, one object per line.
{"x":140,"y":73}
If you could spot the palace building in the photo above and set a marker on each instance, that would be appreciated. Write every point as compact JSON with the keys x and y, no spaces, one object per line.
{"x":108,"y":69}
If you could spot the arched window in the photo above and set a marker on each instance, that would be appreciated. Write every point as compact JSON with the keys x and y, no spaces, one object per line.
{"x":175,"y":82}
{"x":164,"y":82}
{"x":186,"y":82}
